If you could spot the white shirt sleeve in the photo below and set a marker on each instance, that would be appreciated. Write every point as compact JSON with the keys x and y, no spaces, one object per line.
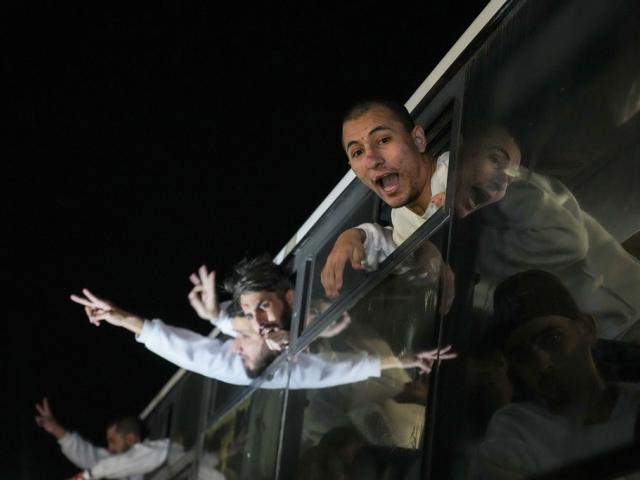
{"x":139,"y":459}
{"x":323,"y":370}
{"x":378,"y":244}
{"x":212,"y":358}
{"x":81,"y":452}
{"x":189,"y":350}
{"x":224,"y":322}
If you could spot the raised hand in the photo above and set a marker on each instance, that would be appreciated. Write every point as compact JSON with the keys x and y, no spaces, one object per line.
{"x":203,"y":297}
{"x":424,"y":361}
{"x":276,"y":339}
{"x":47,"y":421}
{"x":349,"y":248}
{"x":99,"y":309}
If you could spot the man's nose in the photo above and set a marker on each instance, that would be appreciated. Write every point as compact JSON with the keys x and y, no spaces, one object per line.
{"x":261,"y":317}
{"x":237,"y":346}
{"x":373,"y":158}
{"x":542,"y":357}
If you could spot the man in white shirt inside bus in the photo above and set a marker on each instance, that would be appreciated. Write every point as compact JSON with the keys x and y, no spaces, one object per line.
{"x":127,"y":456}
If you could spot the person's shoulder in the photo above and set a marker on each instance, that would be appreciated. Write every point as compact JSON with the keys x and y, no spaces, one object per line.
{"x":520,"y":414}
{"x":443,"y":159}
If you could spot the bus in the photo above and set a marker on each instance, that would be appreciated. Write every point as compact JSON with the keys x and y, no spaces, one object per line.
{"x":560,"y":79}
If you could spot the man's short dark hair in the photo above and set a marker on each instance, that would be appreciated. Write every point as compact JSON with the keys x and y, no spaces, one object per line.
{"x":399,"y":111}
{"x":528,"y":295}
{"x":257,"y":274}
{"x":127,"y":424}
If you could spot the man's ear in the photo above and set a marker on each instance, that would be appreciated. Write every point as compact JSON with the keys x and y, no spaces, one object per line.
{"x":290,"y":295}
{"x":419,"y":138}
{"x":131,"y":439}
{"x":587,"y":326}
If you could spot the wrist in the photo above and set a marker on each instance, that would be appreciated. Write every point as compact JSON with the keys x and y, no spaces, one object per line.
{"x":133,"y":323}
{"x":389,"y":361}
{"x":58,"y":432}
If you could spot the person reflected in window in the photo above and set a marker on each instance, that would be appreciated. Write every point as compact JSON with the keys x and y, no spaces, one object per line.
{"x":568,"y":412}
{"x":388,"y":152}
{"x":127,"y":456}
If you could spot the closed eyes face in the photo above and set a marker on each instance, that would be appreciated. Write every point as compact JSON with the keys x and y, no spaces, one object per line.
{"x":116,"y":442}
{"x":248,"y":342}
{"x":489,"y":166}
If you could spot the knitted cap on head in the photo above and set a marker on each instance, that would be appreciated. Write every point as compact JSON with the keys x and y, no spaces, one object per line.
{"x":528,"y":295}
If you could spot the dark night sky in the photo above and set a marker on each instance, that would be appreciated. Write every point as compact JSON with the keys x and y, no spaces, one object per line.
{"x":144,"y":140}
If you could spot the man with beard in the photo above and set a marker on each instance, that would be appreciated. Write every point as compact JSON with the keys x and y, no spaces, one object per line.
{"x":263,"y":291}
{"x":570,"y":413}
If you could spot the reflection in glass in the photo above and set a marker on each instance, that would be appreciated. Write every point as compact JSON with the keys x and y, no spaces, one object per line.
{"x":243,"y":444}
{"x":559,"y":80}
{"x":376,"y":425}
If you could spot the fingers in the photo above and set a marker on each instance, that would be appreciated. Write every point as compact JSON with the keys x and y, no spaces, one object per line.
{"x":97,"y":301}
{"x":203,"y":274}
{"x":81,"y":301}
{"x":47,"y":408}
{"x":332,"y":274}
{"x":357,"y":259}
{"x":194,"y":279}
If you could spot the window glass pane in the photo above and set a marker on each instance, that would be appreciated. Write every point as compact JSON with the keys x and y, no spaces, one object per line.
{"x":548,"y":182}
{"x":244,"y":443}
{"x":375,"y":426}
{"x":187,"y":413}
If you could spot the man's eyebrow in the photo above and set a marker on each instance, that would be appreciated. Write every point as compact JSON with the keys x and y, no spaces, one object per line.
{"x":371,"y":132}
{"x":500,"y":149}
{"x":524,"y":345}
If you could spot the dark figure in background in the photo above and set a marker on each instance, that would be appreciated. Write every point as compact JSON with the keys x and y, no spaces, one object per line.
{"x":570,"y":412}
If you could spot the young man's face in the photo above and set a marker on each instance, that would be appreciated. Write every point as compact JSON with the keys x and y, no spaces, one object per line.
{"x":388,"y":159}
{"x":552,"y":356}
{"x":489,"y":165}
{"x":250,"y":345}
{"x":116,"y":441}
{"x":268,"y":309}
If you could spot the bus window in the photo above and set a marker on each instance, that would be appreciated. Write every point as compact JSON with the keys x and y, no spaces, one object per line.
{"x":550,"y":299}
{"x":376,"y":427}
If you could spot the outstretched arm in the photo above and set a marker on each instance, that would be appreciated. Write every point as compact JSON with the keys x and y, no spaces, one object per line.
{"x":423,"y":361}
{"x":99,"y":309}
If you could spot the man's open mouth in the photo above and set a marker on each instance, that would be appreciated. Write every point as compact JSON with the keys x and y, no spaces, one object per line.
{"x":478,"y":197}
{"x":388,"y":182}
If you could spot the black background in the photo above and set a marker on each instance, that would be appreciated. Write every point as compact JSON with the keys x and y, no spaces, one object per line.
{"x":146,"y":139}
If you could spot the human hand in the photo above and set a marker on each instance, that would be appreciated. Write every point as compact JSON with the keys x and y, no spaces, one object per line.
{"x":47,"y":421}
{"x":432,"y":266}
{"x":203,"y":297}
{"x":337,"y":327}
{"x":276,"y":338}
{"x":349,"y":248}
{"x":423,"y":361}
{"x":98,"y":309}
